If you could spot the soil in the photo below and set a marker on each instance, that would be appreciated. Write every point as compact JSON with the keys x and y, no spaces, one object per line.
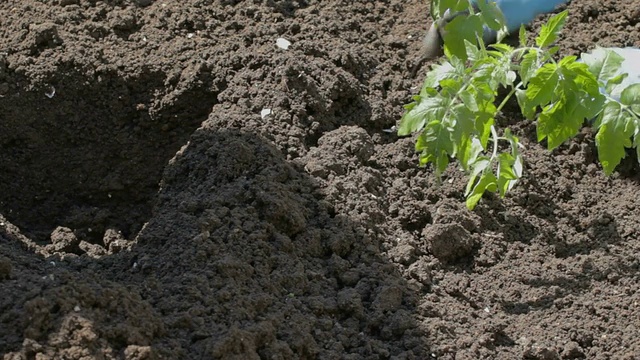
{"x":149,"y":211}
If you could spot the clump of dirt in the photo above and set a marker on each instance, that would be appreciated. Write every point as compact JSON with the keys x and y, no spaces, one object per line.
{"x":150,"y":210}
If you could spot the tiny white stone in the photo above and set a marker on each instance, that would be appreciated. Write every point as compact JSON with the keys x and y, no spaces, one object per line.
{"x":51,"y":93}
{"x":283,"y":43}
{"x":265,"y":112}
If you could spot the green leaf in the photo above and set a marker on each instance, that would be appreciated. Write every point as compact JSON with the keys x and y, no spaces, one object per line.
{"x":473,"y":52}
{"x":549,"y":31}
{"x":522,"y":36}
{"x":424,"y":109}
{"x":458,"y":30}
{"x":469,"y":99}
{"x":613,"y":136}
{"x":450,"y":87}
{"x":502,"y":48}
{"x":487,"y":182}
{"x":491,"y":15}
{"x":542,"y":85}
{"x":469,"y":151}
{"x":604,"y":64}
{"x":506,"y":174}
{"x":435,"y":146}
{"x":518,"y":165}
{"x":631,"y":95}
{"x":439,"y":7}
{"x":526,"y":106}
{"x":477,"y":167}
{"x":563,"y":119}
{"x":613,"y":83}
{"x":528,"y":66}
{"x":438,"y":73}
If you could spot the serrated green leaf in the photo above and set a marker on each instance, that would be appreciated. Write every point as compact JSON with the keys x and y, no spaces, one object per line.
{"x":613,"y":136}
{"x":439,"y":7}
{"x":506,"y":174}
{"x":613,"y":83}
{"x":458,"y":30}
{"x":631,"y":95}
{"x":491,"y":15}
{"x":522,"y":36}
{"x":450,"y":87}
{"x":502,"y":48}
{"x":528,"y":66}
{"x":468,"y":154}
{"x":526,"y":106}
{"x":477,"y":167}
{"x":487,"y":182}
{"x":503,"y":73}
{"x":550,"y":52}
{"x":439,"y":72}
{"x":435,"y":146}
{"x":462,"y":134}
{"x":468,"y":98}
{"x":562,"y":120}
{"x":542,"y":86}
{"x":420,"y":113}
{"x":549,"y":31}
{"x":484,"y":73}
{"x":473,"y":52}
{"x":604,"y":64}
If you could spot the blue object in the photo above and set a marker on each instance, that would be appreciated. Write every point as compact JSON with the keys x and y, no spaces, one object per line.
{"x":518,"y":12}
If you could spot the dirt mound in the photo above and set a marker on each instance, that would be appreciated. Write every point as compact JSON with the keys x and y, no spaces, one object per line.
{"x":175,"y":186}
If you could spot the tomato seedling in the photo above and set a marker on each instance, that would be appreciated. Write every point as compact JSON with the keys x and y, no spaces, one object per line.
{"x":454,"y":113}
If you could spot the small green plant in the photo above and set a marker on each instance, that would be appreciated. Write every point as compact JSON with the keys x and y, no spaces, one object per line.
{"x":455,"y":111}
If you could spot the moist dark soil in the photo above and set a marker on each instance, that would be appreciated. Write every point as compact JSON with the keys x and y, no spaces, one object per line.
{"x":152,"y":209}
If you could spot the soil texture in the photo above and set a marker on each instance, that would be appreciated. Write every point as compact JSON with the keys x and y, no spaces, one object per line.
{"x":174,"y":185}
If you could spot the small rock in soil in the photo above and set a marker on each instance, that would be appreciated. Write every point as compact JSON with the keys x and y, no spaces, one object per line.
{"x":448,"y":242}
{"x":93,"y":250}
{"x":421,"y":272}
{"x":389,"y":298}
{"x":572,"y":350}
{"x":541,"y":353}
{"x":63,"y":240}
{"x":114,"y":241}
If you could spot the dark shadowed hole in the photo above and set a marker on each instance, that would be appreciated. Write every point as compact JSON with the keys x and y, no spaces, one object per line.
{"x":90,"y":158}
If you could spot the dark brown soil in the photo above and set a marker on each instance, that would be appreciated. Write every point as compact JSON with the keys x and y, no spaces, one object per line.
{"x":150,"y":212}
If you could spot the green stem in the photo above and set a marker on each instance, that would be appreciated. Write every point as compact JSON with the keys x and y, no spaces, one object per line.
{"x":506,"y":98}
{"x":494,"y":135}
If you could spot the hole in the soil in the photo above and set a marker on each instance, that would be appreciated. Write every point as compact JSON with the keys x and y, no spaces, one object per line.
{"x":90,"y":158}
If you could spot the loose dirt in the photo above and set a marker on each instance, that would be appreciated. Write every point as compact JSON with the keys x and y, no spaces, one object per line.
{"x":149,"y":211}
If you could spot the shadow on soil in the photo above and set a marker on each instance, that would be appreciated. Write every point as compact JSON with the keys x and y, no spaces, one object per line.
{"x":90,"y":157}
{"x":242,"y":257}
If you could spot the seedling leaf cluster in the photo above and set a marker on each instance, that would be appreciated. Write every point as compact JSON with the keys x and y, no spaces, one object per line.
{"x":455,"y":112}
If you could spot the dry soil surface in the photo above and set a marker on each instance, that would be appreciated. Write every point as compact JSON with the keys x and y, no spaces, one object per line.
{"x":149,"y":211}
